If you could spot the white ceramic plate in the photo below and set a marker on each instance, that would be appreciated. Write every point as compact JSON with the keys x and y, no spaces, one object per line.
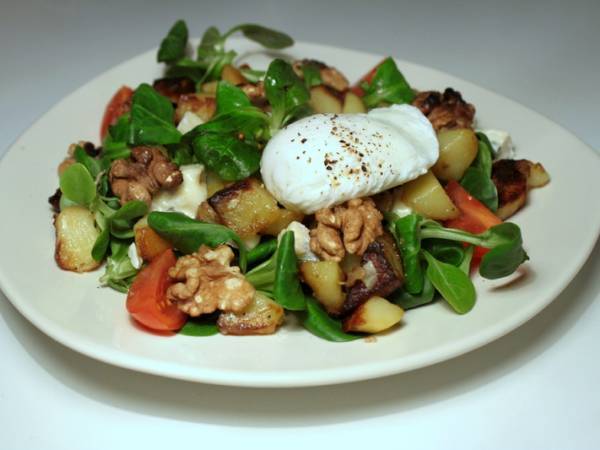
{"x":560,"y":226}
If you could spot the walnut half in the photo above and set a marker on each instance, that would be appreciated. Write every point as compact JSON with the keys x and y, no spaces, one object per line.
{"x":140,"y":177}
{"x":445,"y":110}
{"x":206,"y":281}
{"x":350,"y":227}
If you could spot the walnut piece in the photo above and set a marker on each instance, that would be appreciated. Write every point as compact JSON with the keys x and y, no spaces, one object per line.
{"x":445,"y":111}
{"x":350,"y":227}
{"x":140,"y":177}
{"x":205,"y":282}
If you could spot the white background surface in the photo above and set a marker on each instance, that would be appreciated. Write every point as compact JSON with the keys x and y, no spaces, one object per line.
{"x":535,"y":388}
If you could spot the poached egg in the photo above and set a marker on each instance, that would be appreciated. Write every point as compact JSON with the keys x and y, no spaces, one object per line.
{"x":327,"y":159}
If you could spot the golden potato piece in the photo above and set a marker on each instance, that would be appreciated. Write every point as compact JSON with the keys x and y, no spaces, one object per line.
{"x":458,"y":149}
{"x":203,"y":105}
{"x":325,"y":278}
{"x":324,"y":100}
{"x":76,"y":234}
{"x":375,"y":315}
{"x":246,"y":207}
{"x":263,"y":316}
{"x":148,"y":243}
{"x":284,"y":218}
{"x":232,"y":75}
{"x":353,"y":104}
{"x":426,"y":196}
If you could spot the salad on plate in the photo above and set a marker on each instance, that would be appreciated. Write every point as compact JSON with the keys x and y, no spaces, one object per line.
{"x":225,"y":198}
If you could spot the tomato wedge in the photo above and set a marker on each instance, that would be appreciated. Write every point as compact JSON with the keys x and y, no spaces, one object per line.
{"x":119,"y":104}
{"x":367,"y":77}
{"x":475,"y":217}
{"x":147,"y":298}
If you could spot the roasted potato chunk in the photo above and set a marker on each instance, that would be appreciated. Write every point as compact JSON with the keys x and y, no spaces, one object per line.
{"x":207,"y":214}
{"x":76,"y":234}
{"x":203,"y":105}
{"x":378,"y":278}
{"x":284,"y":218}
{"x":232,"y":75}
{"x":214,"y":183}
{"x":325,"y":100}
{"x":246,"y":207}
{"x":426,"y":196}
{"x":263,"y":316}
{"x":353,"y":104}
{"x":513,"y":179}
{"x":147,"y":241}
{"x":375,"y":315}
{"x":458,"y":149}
{"x":326,"y":279}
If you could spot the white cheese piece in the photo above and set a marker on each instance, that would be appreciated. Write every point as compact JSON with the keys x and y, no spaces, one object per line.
{"x":327,"y":159}
{"x":188,"y":122}
{"x":134,"y":256}
{"x":501,"y":143}
{"x":187,"y":196}
{"x":400,"y":208}
{"x":301,"y":241}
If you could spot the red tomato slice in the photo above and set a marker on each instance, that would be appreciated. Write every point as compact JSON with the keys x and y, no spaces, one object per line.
{"x":475,"y":217}
{"x":119,"y":104}
{"x":367,"y":77}
{"x":147,"y":298}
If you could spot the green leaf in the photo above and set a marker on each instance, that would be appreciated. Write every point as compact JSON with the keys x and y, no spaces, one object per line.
{"x":230,"y":98}
{"x":265,"y":36}
{"x":252,"y":75}
{"x":506,"y":254}
{"x":119,"y":273}
{"x":408,"y":301}
{"x":130,"y":210}
{"x":173,"y":46}
{"x":319,"y":323}
{"x":287,"y":290}
{"x":181,"y":153}
{"x":406,"y":231}
{"x":152,"y":118}
{"x":388,"y":86}
{"x":187,"y":235}
{"x":249,"y":121}
{"x":485,"y":154}
{"x":101,"y":245}
{"x":186,"y":67}
{"x":285,"y":91}
{"x":226,"y":155}
{"x":452,"y":283}
{"x":477,"y":178}
{"x":450,"y":252}
{"x":122,"y":221}
{"x":210,"y":43}
{"x":262,"y":251}
{"x":480,"y":186}
{"x":465,"y":265}
{"x":200,"y":326}
{"x":262,"y":277}
{"x":115,"y":143}
{"x":312,"y":74}
{"x":77,"y":185}
{"x":91,"y":164}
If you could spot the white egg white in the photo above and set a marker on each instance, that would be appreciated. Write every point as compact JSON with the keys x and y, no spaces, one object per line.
{"x":327,"y":159}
